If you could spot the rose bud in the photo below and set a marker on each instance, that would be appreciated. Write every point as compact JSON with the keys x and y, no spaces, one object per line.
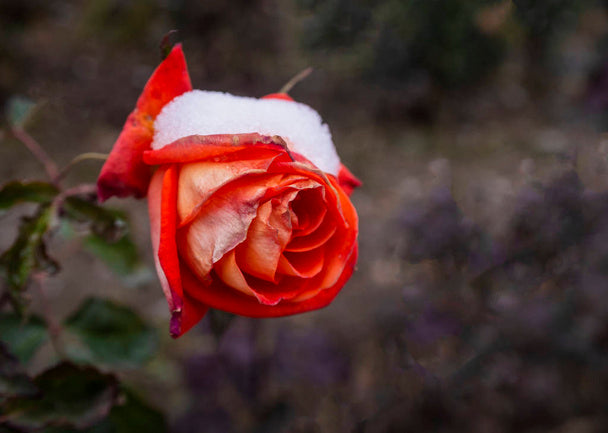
{"x":249,"y":208}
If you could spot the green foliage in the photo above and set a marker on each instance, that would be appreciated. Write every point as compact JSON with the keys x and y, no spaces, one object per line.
{"x":397,"y":41}
{"x":120,"y":256}
{"x":109,"y":224}
{"x":27,"y":255}
{"x":129,"y":415}
{"x":337,"y":23}
{"x":13,"y":381}
{"x":109,"y":239}
{"x":70,"y":395}
{"x":22,"y":336}
{"x":117,"y":21}
{"x":543,"y":19}
{"x":133,"y":415}
{"x":439,"y":37}
{"x":18,"y":110}
{"x":112,"y":334}
{"x":17,"y":192}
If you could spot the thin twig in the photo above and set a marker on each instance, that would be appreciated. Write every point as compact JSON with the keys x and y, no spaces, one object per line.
{"x":79,"y":158}
{"x":296,"y":79}
{"x":53,"y":325}
{"x":57,"y":203}
{"x":82,"y":189}
{"x":32,"y":145}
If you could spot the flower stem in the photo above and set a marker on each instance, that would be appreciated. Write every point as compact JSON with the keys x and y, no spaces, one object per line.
{"x":32,"y":145}
{"x":79,"y":158}
{"x":82,"y":189}
{"x":53,"y":325}
{"x":296,"y":79}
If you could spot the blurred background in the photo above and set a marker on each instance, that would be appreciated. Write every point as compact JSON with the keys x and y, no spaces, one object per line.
{"x":480,"y":302}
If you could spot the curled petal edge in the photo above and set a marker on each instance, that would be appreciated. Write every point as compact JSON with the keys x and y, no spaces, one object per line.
{"x":162,"y":196}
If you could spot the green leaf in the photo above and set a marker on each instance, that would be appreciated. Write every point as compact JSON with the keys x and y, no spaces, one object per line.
{"x":113,"y":334}
{"x":70,"y":395}
{"x":132,"y":415}
{"x":129,"y":415}
{"x":120,"y":256}
{"x":109,"y":239}
{"x":17,"y":192}
{"x":23,"y":337}
{"x":13,"y":380}
{"x":109,"y":224}
{"x":27,"y":255}
{"x":18,"y":110}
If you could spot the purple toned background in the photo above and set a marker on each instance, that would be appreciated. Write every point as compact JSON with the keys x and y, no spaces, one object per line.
{"x":480,"y":302}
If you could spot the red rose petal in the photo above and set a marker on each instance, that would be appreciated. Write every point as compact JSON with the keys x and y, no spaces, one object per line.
{"x":317,"y":238}
{"x":347,"y":180}
{"x":341,"y":243}
{"x":218,"y":295}
{"x":223,"y":221}
{"x":185,"y":311}
{"x":192,"y":312}
{"x":259,"y":254}
{"x":220,"y":147}
{"x":283,"y":96}
{"x":167,"y":251}
{"x":304,"y":265}
{"x":310,"y":208}
{"x":230,"y":273}
{"x":200,"y":180}
{"x":124,"y":173}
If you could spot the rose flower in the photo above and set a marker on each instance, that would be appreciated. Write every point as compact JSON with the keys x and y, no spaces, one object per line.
{"x":248,"y":200}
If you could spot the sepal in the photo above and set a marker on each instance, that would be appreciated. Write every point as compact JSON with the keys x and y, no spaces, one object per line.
{"x":124,"y":173}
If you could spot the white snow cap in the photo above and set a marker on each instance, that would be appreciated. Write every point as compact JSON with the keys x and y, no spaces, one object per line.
{"x":200,"y":112}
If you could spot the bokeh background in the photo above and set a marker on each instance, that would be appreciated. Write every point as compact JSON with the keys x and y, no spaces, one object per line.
{"x":480,"y":302}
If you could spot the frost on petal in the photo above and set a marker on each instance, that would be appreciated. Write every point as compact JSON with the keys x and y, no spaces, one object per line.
{"x":206,"y":113}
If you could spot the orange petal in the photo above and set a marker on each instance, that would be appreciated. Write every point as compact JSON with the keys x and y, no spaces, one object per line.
{"x":169,"y":80}
{"x":344,"y":241}
{"x":303,"y":265}
{"x":220,"y":147}
{"x":317,"y":238}
{"x":310,"y":208}
{"x":199,"y":180}
{"x":185,"y":311}
{"x":167,"y":250}
{"x":222,"y":222}
{"x":280,"y":218}
{"x":218,"y":295}
{"x":191,"y":313}
{"x":259,"y":254}
{"x":228,"y":270}
{"x":283,"y":96}
{"x":268,"y":234}
{"x":154,"y":209}
{"x":124,"y":173}
{"x":347,"y":180}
